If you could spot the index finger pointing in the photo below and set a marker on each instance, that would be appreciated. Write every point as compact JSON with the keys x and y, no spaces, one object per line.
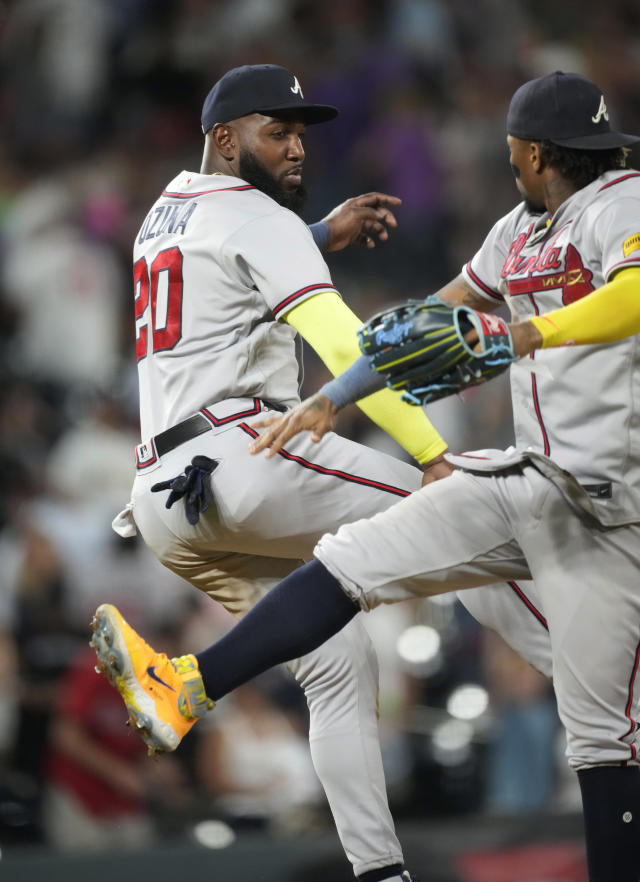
{"x":374,"y":199}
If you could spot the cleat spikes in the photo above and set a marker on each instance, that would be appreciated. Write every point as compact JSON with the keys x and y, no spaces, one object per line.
{"x":163,"y":697}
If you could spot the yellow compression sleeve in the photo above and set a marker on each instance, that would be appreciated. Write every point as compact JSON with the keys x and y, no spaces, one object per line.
{"x":608,"y":314}
{"x":327,"y":324}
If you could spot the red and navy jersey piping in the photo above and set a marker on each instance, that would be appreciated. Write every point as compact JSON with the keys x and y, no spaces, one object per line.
{"x":633,"y":723}
{"x":331,"y":473}
{"x":630,"y":261}
{"x":288,"y":302}
{"x":532,"y":609}
{"x":206,"y":192}
{"x":253,"y":411}
{"x":619,"y":180}
{"x":478,"y":281}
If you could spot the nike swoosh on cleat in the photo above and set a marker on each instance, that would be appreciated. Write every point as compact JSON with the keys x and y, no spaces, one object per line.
{"x":151,"y":671}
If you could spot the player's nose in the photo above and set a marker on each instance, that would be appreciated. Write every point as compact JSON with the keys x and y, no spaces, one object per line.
{"x":295,"y":149}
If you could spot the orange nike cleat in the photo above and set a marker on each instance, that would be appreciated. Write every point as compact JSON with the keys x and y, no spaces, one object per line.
{"x":164,"y":697}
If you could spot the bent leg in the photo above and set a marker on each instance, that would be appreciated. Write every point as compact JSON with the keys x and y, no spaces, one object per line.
{"x":340,"y":681}
{"x":450,"y":535}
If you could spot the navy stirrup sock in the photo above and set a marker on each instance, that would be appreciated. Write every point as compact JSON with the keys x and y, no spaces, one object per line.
{"x":611,"y":803}
{"x":296,"y":616}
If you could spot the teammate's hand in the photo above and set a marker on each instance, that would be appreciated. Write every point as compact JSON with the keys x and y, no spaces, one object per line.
{"x":436,"y":469}
{"x":361,"y":220}
{"x":316,"y":414}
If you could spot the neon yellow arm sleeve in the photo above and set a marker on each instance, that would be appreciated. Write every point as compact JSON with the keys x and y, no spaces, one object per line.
{"x":329,"y":326}
{"x":608,"y":314}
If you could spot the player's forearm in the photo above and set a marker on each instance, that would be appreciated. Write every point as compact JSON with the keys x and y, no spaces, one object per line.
{"x":604,"y":316}
{"x":407,"y":424}
{"x":330,"y":327}
{"x":357,"y":382}
{"x":458,"y":292}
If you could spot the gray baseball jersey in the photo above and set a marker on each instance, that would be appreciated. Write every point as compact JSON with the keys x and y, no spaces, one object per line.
{"x":216,"y":264}
{"x":578,"y":406}
{"x":562,"y":507}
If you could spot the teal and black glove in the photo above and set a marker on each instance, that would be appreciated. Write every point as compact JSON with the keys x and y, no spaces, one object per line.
{"x":428,"y":349}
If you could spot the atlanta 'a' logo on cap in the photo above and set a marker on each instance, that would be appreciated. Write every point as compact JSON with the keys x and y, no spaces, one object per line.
{"x":601,"y":112}
{"x":298,"y":91}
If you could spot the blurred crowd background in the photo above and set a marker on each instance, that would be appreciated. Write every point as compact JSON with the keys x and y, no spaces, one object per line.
{"x":100,"y":105}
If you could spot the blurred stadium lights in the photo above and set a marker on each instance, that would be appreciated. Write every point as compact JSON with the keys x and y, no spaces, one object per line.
{"x":419,"y":648}
{"x":454,"y":733}
{"x":451,"y":742}
{"x":468,"y":702}
{"x":213,"y":834}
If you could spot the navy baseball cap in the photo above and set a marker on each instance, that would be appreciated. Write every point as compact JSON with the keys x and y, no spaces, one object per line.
{"x":259,"y":88}
{"x":565,"y":108}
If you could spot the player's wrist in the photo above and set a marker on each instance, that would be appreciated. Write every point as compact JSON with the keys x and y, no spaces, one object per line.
{"x":526,"y":338}
{"x":321,"y":234}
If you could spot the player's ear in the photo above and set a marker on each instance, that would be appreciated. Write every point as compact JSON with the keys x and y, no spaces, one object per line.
{"x":222,"y":135}
{"x":535,"y":155}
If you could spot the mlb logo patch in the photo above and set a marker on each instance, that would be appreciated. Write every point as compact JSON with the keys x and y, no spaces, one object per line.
{"x":146,"y":454}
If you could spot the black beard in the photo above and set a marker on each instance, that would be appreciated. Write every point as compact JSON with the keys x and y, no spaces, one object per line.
{"x":255,"y":173}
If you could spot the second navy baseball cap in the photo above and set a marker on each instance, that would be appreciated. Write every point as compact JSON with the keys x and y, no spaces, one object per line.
{"x":566,"y":109}
{"x":259,"y":88}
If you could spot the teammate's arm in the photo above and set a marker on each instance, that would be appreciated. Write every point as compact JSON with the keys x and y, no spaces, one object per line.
{"x":330,"y":327}
{"x":358,"y":384}
{"x":459,"y":292}
{"x":604,"y":316}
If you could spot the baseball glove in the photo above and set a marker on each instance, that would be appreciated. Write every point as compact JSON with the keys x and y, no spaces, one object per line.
{"x":421,"y":349}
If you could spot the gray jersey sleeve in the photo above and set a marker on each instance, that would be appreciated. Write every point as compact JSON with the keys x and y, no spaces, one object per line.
{"x":278,"y":255}
{"x":617,"y":234}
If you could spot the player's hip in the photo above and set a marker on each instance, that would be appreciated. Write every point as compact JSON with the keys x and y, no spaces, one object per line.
{"x":277,"y":507}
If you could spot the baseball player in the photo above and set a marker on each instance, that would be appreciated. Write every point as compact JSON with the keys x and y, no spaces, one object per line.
{"x":561,"y":507}
{"x":225,"y":274}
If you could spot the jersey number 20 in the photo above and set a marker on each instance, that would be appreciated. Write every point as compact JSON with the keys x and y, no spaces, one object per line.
{"x":160,"y":286}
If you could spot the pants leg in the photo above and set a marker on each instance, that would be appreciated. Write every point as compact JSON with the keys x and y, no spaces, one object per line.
{"x":588,"y":582}
{"x":514,"y":610}
{"x":472,"y":530}
{"x":340,"y":681}
{"x":267,"y":516}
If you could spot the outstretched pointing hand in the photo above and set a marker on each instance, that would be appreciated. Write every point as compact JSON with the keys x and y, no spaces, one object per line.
{"x":360,"y":220}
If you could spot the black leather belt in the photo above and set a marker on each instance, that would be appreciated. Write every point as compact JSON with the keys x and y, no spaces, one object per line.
{"x":186,"y":430}
{"x":193,"y":426}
